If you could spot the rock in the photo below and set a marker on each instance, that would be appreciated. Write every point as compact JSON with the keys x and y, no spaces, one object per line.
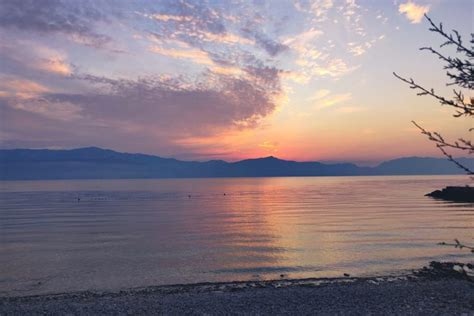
{"x":455,"y":194}
{"x":469,"y":272}
{"x":436,"y":193}
{"x":445,"y":270}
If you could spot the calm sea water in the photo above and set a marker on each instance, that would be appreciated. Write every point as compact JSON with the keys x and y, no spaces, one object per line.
{"x":132,"y":233}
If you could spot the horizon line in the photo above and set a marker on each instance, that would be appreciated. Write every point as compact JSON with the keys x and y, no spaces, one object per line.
{"x":54,"y":148}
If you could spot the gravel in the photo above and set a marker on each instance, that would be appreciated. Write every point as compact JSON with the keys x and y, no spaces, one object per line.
{"x":423,"y":293}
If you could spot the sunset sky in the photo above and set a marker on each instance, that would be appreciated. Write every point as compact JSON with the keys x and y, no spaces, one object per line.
{"x":226,"y":79}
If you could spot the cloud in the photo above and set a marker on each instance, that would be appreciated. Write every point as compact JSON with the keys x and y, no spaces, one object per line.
{"x":74,"y":18}
{"x":265,"y":76}
{"x":272,"y":46}
{"x":227,"y":70}
{"x":320,"y":94}
{"x":413,"y":11}
{"x":27,"y":95}
{"x":189,"y":27}
{"x":55,"y":65}
{"x":357,"y":50}
{"x":233,"y":84}
{"x":323,"y":99}
{"x":295,"y":76}
{"x":200,"y":57}
{"x":63,"y":111}
{"x":304,"y":38}
{"x":226,"y":38}
{"x":345,"y":19}
{"x":195,"y":55}
{"x":334,"y":68}
{"x":194,"y":70}
{"x":164,"y":109}
{"x":21,"y":88}
{"x":32,"y":55}
{"x":184,"y":20}
{"x":321,"y":7}
{"x":167,"y":17}
{"x":319,"y":53}
{"x":49,"y":60}
{"x":226,"y":44}
{"x":161,"y":116}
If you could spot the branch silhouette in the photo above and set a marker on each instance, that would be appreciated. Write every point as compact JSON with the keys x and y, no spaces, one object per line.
{"x":460,"y":71}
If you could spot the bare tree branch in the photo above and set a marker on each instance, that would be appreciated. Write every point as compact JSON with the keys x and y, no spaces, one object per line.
{"x":461,"y":107}
{"x":457,"y":244}
{"x":461,"y":72}
{"x":441,"y":143}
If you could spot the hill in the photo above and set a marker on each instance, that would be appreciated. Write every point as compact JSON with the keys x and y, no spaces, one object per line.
{"x":97,"y":163}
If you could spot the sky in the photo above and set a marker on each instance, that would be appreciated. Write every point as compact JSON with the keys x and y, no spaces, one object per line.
{"x":226,"y":79}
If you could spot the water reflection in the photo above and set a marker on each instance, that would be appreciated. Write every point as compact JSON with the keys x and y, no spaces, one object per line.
{"x":127,"y":233}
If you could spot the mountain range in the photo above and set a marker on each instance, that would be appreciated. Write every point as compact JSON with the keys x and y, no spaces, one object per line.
{"x":98,"y":163}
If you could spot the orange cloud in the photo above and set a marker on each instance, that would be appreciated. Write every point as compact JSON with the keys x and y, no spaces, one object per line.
{"x":413,"y":11}
{"x":327,"y":100}
{"x":54,"y":65}
{"x":198,"y":56}
{"x":168,"y":17}
{"x":37,"y":56}
{"x":300,"y":41}
{"x":298,"y":77}
{"x":225,"y":38}
{"x":227,"y":70}
{"x":195,"y":55}
{"x":334,"y":68}
{"x":21,"y":88}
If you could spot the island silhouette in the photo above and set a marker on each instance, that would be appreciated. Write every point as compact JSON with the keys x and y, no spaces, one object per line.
{"x":98,"y":163}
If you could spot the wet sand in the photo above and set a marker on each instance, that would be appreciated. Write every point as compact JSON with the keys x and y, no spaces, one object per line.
{"x":425,"y":292}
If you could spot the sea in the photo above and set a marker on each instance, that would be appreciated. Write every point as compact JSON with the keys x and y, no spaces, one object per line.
{"x":71,"y":235}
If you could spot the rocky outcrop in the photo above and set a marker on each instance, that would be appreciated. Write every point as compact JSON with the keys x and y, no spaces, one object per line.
{"x":455,"y":194}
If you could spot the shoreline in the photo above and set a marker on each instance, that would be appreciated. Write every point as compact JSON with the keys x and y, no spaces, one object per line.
{"x":437,"y":289}
{"x":460,"y":175}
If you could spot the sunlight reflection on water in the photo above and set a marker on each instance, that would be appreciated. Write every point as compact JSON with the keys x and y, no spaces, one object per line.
{"x":129,"y":233}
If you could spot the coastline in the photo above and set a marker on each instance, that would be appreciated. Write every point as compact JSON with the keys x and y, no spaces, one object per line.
{"x":437,"y":289}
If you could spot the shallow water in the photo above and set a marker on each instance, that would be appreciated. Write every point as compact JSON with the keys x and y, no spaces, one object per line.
{"x":132,"y":233}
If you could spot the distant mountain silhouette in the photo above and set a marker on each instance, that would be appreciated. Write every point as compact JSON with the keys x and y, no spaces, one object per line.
{"x":97,"y":163}
{"x":417,"y":165}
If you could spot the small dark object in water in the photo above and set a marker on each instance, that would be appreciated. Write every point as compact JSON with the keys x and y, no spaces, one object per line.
{"x":347,"y":275}
{"x":78,"y":199}
{"x":189,"y":196}
{"x":455,"y":194}
{"x":282,"y":275}
{"x":224,"y":194}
